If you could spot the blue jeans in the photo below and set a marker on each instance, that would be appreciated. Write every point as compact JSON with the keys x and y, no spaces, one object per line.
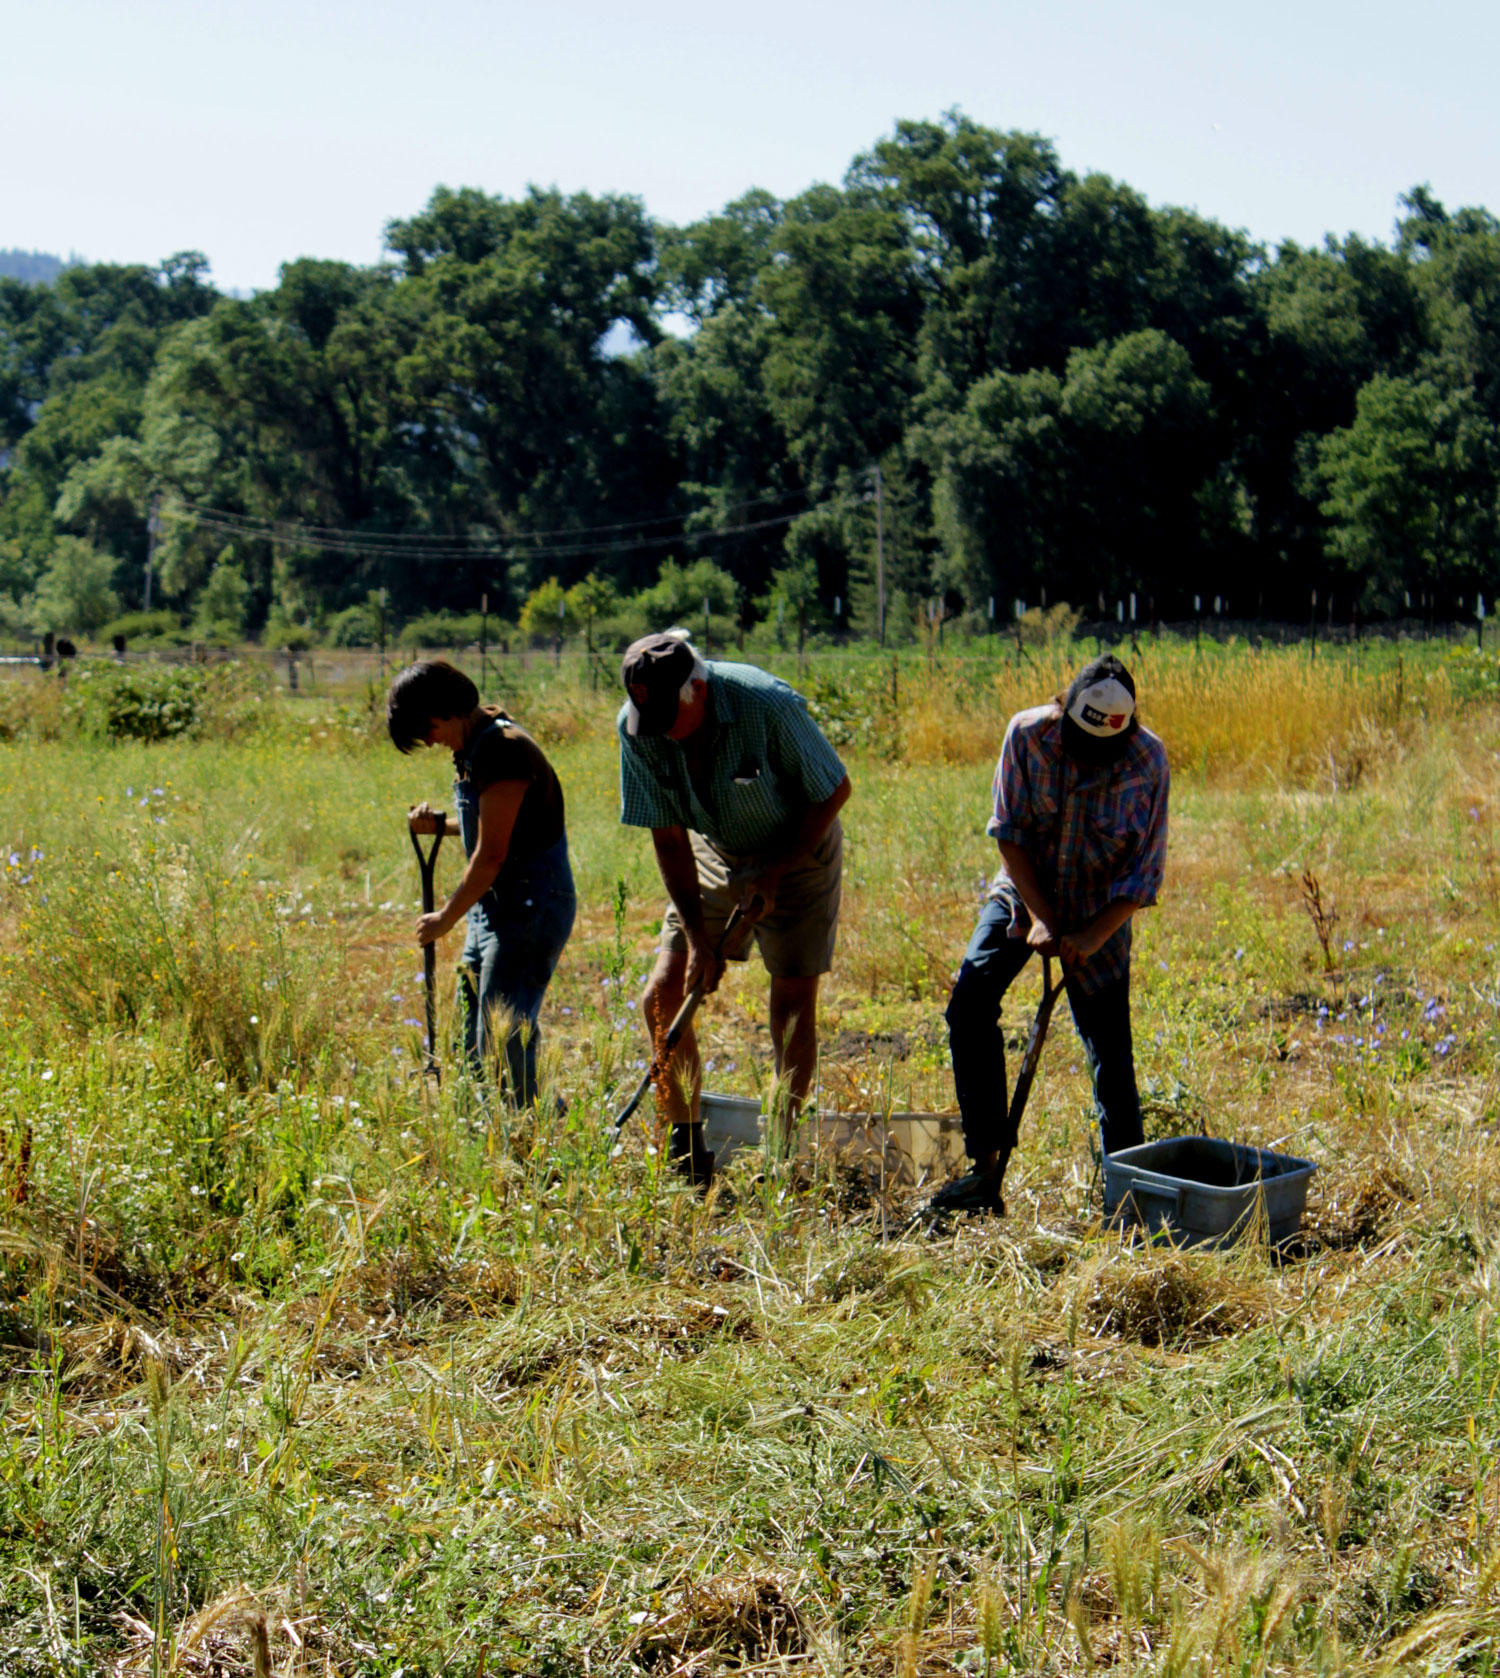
{"x":516,"y":935}
{"x":977,"y":1044}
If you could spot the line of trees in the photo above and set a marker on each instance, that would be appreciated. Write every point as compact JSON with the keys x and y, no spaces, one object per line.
{"x":1066,"y":393}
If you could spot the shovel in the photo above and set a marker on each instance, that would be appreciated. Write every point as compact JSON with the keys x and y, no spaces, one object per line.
{"x":1026,"y":1075}
{"x":680,"y":1022}
{"x":434,"y":822}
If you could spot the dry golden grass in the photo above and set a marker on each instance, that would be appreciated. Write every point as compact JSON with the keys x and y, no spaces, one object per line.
{"x":1278,"y":716}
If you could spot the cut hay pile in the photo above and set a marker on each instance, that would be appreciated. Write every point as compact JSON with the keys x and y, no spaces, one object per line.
{"x":749,"y":1617}
{"x":1172,"y":1297}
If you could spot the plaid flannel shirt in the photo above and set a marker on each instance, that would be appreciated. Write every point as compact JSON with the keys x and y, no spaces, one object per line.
{"x":769,"y":762}
{"x":1093,"y":834}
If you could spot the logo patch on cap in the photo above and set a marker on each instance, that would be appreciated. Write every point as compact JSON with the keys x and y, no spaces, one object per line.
{"x":1104,"y":709}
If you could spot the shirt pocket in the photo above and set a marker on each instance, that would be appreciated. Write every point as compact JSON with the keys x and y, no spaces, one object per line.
{"x":1112,"y":833}
{"x":750,"y":801}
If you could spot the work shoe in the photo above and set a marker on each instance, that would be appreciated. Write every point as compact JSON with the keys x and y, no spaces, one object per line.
{"x":975,"y":1191}
{"x":688,"y":1156}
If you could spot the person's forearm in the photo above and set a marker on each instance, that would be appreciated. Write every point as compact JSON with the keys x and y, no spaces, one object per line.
{"x":679,"y":874}
{"x":1021,"y":871}
{"x":481,"y":873}
{"x":1080,"y":945}
{"x":1109,"y":921}
{"x":812,"y":829}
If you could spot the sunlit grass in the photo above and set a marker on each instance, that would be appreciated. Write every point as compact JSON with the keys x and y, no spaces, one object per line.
{"x":294,"y":1343}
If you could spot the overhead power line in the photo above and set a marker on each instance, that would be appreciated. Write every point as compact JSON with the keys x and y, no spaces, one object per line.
{"x":329,"y":539}
{"x":404,"y":541}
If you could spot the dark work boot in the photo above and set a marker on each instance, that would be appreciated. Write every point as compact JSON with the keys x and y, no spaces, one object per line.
{"x":689,"y":1157}
{"x":975,"y":1191}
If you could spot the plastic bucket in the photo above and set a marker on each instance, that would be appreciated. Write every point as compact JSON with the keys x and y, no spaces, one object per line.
{"x":1201,"y":1191}
{"x":730,"y":1122}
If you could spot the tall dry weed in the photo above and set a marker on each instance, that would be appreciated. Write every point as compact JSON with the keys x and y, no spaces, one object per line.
{"x":1274,"y":714}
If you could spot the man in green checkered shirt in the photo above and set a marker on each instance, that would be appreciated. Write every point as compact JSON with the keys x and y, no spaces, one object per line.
{"x":742,"y":793}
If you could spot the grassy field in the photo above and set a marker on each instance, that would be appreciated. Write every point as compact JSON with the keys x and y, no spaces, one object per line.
{"x":306,"y":1363}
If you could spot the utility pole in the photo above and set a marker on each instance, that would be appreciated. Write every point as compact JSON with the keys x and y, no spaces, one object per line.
{"x":484,"y":635}
{"x":153,"y":524}
{"x":879,"y":555}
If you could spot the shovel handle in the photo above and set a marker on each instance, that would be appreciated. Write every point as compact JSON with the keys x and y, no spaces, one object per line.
{"x":427,"y":863}
{"x":680,"y":1022}
{"x":434,"y":822}
{"x":1032,"y":1058}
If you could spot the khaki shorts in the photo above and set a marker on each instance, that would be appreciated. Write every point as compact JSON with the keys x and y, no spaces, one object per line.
{"x":796,"y":939}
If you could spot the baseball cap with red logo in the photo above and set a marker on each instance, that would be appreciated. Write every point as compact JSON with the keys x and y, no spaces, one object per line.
{"x":1099,"y":711}
{"x":654,"y":670}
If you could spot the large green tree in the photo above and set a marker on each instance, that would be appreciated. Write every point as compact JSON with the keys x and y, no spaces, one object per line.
{"x":519,"y":402}
{"x":1411,"y":493}
{"x":75,"y":363}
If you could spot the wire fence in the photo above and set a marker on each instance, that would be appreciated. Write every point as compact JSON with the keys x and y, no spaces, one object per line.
{"x":324,"y":670}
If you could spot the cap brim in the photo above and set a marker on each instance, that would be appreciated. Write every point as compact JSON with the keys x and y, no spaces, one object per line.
{"x":650,"y":721}
{"x":1096,"y":749}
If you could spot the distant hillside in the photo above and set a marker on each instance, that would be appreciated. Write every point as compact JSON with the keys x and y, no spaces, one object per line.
{"x":36,"y":267}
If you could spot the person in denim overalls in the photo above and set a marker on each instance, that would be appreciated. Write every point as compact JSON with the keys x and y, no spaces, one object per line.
{"x":517,"y":890}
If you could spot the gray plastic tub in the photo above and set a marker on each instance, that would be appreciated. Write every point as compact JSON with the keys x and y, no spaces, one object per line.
{"x":1201,"y":1191}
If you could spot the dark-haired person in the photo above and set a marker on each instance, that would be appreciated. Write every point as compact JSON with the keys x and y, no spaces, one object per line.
{"x":742,"y":794}
{"x":1080,"y":814}
{"x":517,"y":890}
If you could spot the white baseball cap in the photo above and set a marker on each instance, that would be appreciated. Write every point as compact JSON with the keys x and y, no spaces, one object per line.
{"x":1103,"y":709}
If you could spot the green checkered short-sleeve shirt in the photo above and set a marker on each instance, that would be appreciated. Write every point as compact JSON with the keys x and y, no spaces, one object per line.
{"x":769,"y":762}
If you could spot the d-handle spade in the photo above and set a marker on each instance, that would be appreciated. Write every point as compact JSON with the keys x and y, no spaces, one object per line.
{"x":663,"y":1053}
{"x":434,"y":822}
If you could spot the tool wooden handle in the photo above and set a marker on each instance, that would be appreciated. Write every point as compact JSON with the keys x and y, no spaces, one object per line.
{"x":1032,"y":1057}
{"x":674,"y":1035}
{"x":680,"y":1022}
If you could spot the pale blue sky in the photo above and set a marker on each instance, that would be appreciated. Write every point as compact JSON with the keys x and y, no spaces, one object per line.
{"x":271,"y":129}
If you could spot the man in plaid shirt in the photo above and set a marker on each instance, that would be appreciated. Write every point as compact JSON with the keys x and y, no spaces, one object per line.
{"x":742,"y":793}
{"x":1080,"y":814}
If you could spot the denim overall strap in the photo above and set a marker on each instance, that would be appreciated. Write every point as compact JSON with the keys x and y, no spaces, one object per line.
{"x":465,"y":798}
